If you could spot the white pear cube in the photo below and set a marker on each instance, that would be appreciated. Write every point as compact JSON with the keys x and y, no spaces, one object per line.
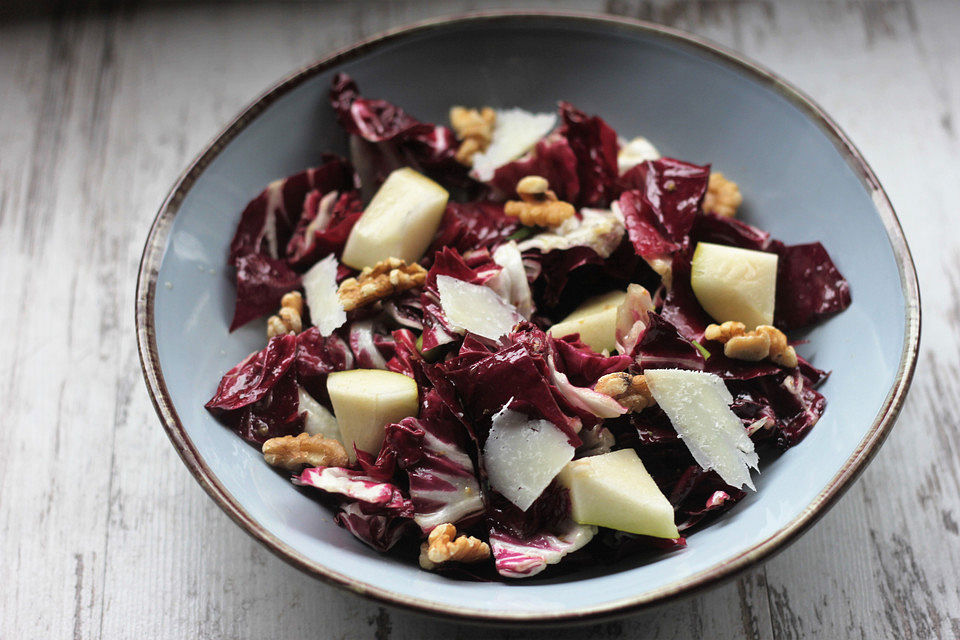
{"x":698,"y":405}
{"x":320,"y":287}
{"x":735,"y":284}
{"x":399,"y":222}
{"x":476,"y":308}
{"x":316,"y":418}
{"x":522,"y":456}
{"x":595,"y":320}
{"x":365,"y":401}
{"x":614,"y":490}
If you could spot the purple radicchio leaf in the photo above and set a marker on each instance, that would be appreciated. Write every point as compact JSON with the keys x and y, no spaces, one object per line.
{"x":595,"y":146}
{"x":809,"y":286}
{"x":526,"y":557}
{"x":443,"y":478}
{"x":268,"y":221}
{"x":552,"y":158}
{"x":261,"y":283}
{"x":661,"y":204}
{"x":317,"y":357}
{"x":324,"y":227}
{"x":384,"y":137}
{"x":258,"y":397}
{"x":472,"y":225}
{"x":378,"y":513}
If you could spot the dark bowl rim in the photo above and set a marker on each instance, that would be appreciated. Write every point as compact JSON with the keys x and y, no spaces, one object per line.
{"x":156,"y":242}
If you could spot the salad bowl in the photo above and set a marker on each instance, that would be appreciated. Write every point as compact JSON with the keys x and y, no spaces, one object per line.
{"x":695,"y":100}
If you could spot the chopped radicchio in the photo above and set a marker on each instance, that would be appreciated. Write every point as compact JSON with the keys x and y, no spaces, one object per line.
{"x":259,"y":397}
{"x":259,"y":244}
{"x":261,"y":283}
{"x":468,"y":226}
{"x":809,"y":286}
{"x":525,"y":557}
{"x":385,"y":137}
{"x":595,"y":146}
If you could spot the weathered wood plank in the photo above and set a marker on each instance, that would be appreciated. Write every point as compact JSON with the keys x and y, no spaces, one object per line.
{"x":101,"y":112}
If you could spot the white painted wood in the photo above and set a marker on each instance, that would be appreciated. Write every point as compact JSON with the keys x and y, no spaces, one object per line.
{"x":104,"y":534}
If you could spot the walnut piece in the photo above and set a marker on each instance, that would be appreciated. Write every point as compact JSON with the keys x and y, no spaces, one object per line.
{"x":763,"y":342}
{"x":538,"y":205}
{"x":722,"y":197}
{"x":443,"y":545}
{"x":474,"y":129}
{"x":384,"y":279}
{"x":289,"y":318}
{"x":753,"y":347}
{"x":631,"y":391}
{"x":293,"y":452}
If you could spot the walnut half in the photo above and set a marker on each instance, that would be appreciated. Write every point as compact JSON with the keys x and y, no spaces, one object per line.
{"x":383,"y":279}
{"x":538,"y":205}
{"x":763,"y":342}
{"x":722,"y":197}
{"x":475,"y":130}
{"x":293,"y":452}
{"x":443,"y":545}
{"x":288,"y":319}
{"x":631,"y":391}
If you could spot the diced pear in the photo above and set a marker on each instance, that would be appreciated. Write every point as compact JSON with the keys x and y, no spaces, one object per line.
{"x":522,"y":456}
{"x":698,"y":405}
{"x":735,"y":284}
{"x":476,"y":308}
{"x":365,"y":401}
{"x":399,"y":222}
{"x":614,"y":490}
{"x":595,"y":320}
{"x":316,"y":418}
{"x":320,"y":287}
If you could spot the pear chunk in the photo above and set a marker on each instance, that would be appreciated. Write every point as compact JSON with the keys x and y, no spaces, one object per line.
{"x":614,"y":490}
{"x":698,"y":405}
{"x":735,"y":284}
{"x":365,"y":401}
{"x":399,"y":222}
{"x":595,"y":320}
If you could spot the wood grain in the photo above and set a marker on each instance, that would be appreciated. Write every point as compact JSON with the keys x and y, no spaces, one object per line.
{"x":104,"y":534}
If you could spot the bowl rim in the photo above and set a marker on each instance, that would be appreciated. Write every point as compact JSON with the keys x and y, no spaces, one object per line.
{"x":158,"y":236}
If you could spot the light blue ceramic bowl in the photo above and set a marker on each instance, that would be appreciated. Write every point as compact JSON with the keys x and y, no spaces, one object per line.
{"x":803,"y":181}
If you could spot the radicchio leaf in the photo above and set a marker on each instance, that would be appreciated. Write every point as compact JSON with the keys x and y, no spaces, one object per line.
{"x":268,"y":221}
{"x":385,"y":138}
{"x":552,"y":158}
{"x":468,"y":226}
{"x":324,"y":227}
{"x":379,"y":529}
{"x":595,"y":146}
{"x":443,"y":479}
{"x":660,"y":207}
{"x":259,"y":398}
{"x":809,"y":286}
{"x":317,"y":357}
{"x":526,"y":557}
{"x":261,"y":283}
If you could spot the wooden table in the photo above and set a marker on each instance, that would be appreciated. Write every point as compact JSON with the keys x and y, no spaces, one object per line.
{"x":103,"y":533}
